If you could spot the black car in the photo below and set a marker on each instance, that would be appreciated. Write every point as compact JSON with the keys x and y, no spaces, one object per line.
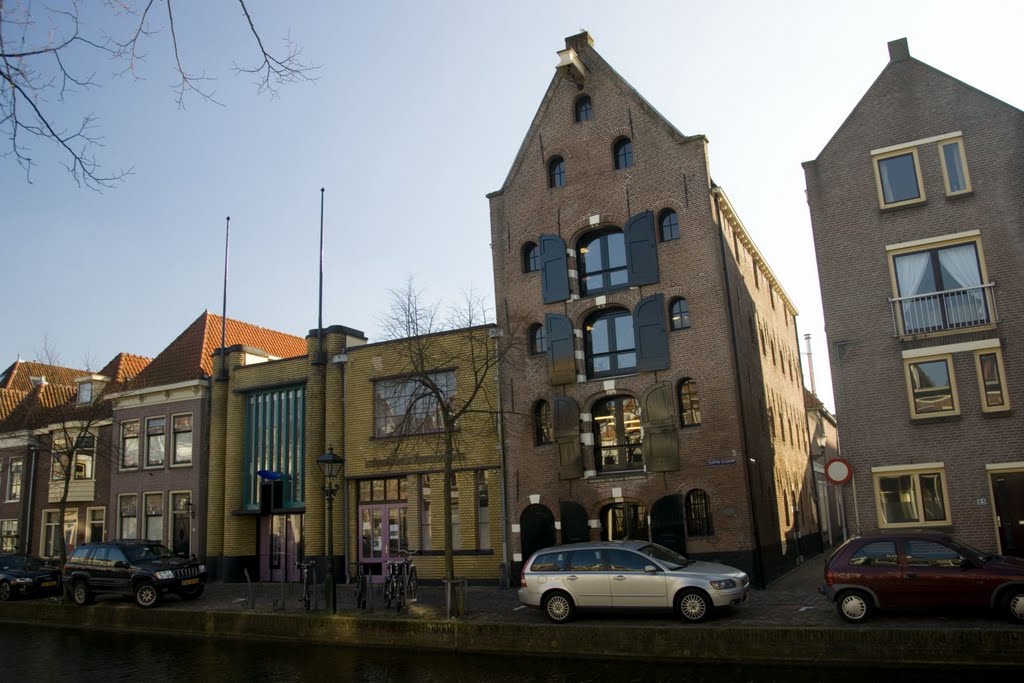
{"x":145,"y":570}
{"x":26,"y":575}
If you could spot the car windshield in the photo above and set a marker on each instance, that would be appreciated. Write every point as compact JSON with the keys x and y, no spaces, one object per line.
{"x":662,"y":554}
{"x":147,"y":552}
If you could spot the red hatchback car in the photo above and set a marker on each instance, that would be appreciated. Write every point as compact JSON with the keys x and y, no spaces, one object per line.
{"x":920,"y":570}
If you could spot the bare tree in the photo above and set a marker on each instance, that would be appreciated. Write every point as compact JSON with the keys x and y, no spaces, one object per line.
{"x":40,"y":44}
{"x":436,"y":412}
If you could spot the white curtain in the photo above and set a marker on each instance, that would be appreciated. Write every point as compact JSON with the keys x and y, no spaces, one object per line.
{"x":963,"y":308}
{"x":919,"y":314}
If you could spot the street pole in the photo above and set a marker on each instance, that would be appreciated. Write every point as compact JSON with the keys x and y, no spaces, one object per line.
{"x":332,"y":602}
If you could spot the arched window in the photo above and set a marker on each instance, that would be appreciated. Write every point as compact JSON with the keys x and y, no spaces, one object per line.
{"x":618,"y":445}
{"x":584,"y":110}
{"x":601,"y":257}
{"x":531,"y":257}
{"x":698,"y":514}
{"x":556,"y":172}
{"x":609,"y":343}
{"x":679,"y":314}
{"x":538,"y":341}
{"x":543,"y":432}
{"x":689,"y":402}
{"x":668,"y":222}
{"x":623,"y":152}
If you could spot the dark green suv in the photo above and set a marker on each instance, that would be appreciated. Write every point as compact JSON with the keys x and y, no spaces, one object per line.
{"x":145,"y":570}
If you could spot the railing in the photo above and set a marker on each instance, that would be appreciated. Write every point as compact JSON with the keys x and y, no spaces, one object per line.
{"x":953,"y":309}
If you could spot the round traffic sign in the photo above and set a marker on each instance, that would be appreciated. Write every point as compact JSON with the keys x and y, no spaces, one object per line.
{"x":838,"y":471}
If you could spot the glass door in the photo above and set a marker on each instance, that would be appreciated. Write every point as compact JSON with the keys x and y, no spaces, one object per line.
{"x":382,"y":530}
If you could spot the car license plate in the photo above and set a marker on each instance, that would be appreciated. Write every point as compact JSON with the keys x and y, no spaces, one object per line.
{"x":48,"y":584}
{"x":189,"y":582}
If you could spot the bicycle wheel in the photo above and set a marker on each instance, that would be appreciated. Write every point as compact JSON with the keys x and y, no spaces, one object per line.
{"x":399,"y":593}
{"x":361,"y":592}
{"x":413,"y":585}
{"x":389,"y":592}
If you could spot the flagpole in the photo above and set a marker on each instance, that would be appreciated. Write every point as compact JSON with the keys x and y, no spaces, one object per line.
{"x":224,"y":302}
{"x":320,"y":310}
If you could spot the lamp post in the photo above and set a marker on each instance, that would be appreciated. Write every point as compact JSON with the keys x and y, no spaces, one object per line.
{"x":331,"y":465}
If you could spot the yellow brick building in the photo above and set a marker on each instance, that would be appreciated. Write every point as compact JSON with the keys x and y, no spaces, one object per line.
{"x":272,"y":418}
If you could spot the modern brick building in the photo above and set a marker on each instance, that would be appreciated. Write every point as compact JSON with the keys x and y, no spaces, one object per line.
{"x":916,"y":207}
{"x":661,"y":394}
{"x":272,"y":419}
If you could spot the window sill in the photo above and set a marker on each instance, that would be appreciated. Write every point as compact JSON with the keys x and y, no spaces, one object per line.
{"x":625,"y":474}
{"x":180,"y":465}
{"x":904,"y":337}
{"x":602,"y":378}
{"x":161,"y":466}
{"x":996,"y":414}
{"x":935,"y":419}
{"x":959,"y":195}
{"x":124,"y":470}
{"x":903,"y":205}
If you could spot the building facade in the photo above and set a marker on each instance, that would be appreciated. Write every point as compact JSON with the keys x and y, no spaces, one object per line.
{"x":659,"y":394}
{"x":916,"y":210}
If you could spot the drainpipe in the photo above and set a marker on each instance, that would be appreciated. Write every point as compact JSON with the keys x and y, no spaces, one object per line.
{"x":33,"y":451}
{"x":758,"y":559}
{"x":507,"y":557}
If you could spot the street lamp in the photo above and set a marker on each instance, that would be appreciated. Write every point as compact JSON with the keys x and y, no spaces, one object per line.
{"x":331,"y":465}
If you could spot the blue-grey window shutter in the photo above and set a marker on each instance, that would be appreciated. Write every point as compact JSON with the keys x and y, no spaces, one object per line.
{"x":661,"y":439}
{"x":641,"y":250}
{"x":651,"y":337}
{"x":561,"y":350}
{"x":567,"y":437}
{"x":554,"y":269}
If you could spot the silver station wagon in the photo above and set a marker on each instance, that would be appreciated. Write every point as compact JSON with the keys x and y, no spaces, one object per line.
{"x":627,"y":574}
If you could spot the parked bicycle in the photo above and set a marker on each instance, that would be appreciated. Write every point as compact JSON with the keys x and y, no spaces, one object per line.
{"x":400,"y":585}
{"x":361,"y":586}
{"x":308,"y":578}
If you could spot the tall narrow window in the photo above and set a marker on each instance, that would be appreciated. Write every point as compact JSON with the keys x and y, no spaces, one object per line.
{"x":989,"y":363}
{"x":538,"y":341}
{"x":483,"y":518}
{"x":8,"y":535}
{"x":698,"y":513}
{"x":155,"y":442}
{"x":623,"y":153}
{"x":584,"y":109}
{"x":668,"y":222}
{"x":618,"y":441}
{"x":531,"y":257}
{"x":456,"y":533}
{"x":182,"y":454}
{"x":542,"y":427}
{"x":954,"y":167}
{"x":556,"y":172}
{"x":425,"y":528}
{"x":154,"y":505}
{"x":601,"y":257}
{"x":689,"y":402}
{"x":128,"y":516}
{"x":14,"y":476}
{"x":679,"y":314}
{"x":610,"y":343}
{"x":95,"y":524}
{"x":130,"y":444}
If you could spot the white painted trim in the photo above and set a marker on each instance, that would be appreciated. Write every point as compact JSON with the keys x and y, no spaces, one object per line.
{"x":587,"y":439}
{"x":517,"y":557}
{"x":608,"y":384}
{"x":515,"y":528}
{"x":558,"y":525}
{"x":906,"y":468}
{"x":917,"y":143}
{"x":932,"y":240}
{"x":952,"y":348}
{"x":594,"y":523}
{"x":534,"y":498}
{"x":161,"y":388}
{"x":600,"y":300}
{"x":595,"y":219}
{"x":1005,"y":466}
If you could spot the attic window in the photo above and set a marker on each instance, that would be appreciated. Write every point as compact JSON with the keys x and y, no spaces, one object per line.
{"x":85,"y":392}
{"x":623,"y":153}
{"x":38,"y":381}
{"x":556,"y":172}
{"x":584,"y":109}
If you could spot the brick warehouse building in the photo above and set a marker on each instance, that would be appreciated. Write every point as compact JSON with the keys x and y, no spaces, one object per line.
{"x":917,"y":217}
{"x":661,"y":394}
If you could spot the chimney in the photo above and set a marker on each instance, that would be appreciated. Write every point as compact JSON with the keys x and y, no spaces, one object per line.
{"x":898,"y":50}
{"x":810,"y":364}
{"x":579,"y":41}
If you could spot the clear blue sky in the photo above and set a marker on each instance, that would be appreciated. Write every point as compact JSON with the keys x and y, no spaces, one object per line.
{"x":418,"y":112}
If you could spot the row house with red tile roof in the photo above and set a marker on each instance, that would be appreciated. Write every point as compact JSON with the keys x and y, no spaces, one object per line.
{"x":159,"y":469}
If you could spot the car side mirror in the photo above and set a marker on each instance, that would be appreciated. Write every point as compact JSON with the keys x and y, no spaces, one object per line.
{"x":650,"y":569}
{"x":121,"y":564}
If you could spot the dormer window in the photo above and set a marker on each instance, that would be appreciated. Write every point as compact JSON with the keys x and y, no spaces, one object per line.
{"x":37,"y":381}
{"x":85,"y":392}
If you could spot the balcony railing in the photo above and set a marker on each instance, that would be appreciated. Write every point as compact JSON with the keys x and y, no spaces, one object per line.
{"x":953,"y":309}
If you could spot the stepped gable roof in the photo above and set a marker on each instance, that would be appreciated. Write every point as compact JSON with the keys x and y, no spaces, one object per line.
{"x":190,"y":355}
{"x":18,"y":375}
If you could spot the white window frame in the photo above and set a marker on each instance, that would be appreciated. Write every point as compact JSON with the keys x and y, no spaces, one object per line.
{"x":878,"y":473}
{"x":959,"y":142}
{"x":63,"y":530}
{"x":145,"y":462}
{"x":120,"y":518}
{"x":145,"y":516}
{"x":138,"y":447}
{"x":89,"y":519}
{"x":876,"y":158}
{"x":982,"y":393}
{"x":14,"y":524}
{"x":174,"y":441}
{"x":10,"y":480}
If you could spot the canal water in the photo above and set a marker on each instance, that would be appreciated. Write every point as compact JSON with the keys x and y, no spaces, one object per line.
{"x":33,"y":653}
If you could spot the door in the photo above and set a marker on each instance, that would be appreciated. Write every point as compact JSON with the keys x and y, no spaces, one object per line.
{"x":633,"y":586}
{"x":1008,"y":496}
{"x":280,"y":547}
{"x":383,"y":533}
{"x":181,"y":527}
{"x":587,"y":579}
{"x":934,"y":576}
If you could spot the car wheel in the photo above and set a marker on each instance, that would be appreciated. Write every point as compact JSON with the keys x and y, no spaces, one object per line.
{"x":693,"y":605}
{"x":1013,"y":605}
{"x":558,"y":606}
{"x":5,"y":591}
{"x":146,"y":595}
{"x":854,"y":606}
{"x":80,"y":593}
{"x":191,"y":593}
